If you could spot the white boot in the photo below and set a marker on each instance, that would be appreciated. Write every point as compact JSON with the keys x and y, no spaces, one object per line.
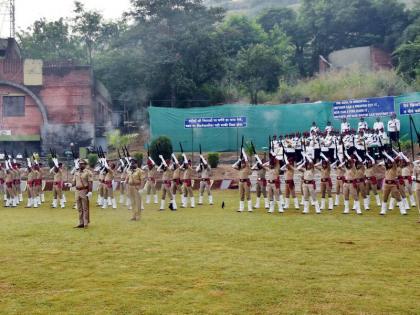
{"x":296,"y":204}
{"x":346,"y":207}
{"x":366,"y":202}
{"x":155,"y":199}
{"x":280,"y":205}
{"x":257,"y":203}
{"x":42,"y":197}
{"x":378,"y":200}
{"x":104,"y":204}
{"x":286,"y":203}
{"x":337,"y":200}
{"x":14,"y":204}
{"x":241,"y":206}
{"x":266,"y":203}
{"x":306,"y":207}
{"x":64,"y":197}
{"x":323,"y":204}
{"x":250,"y":206}
{"x":121,"y":199}
{"x":36,"y":203}
{"x":62,"y":205}
{"x":8,"y":202}
{"x":401,"y":205}
{"x":162,"y":205}
{"x":211,"y":200}
{"x":183,"y":202}
{"x":391,"y":204}
{"x":312,"y":202}
{"x":5,"y":197}
{"x":405,"y":202}
{"x":54,"y":203}
{"x":358,"y":210}
{"x":99,"y":201}
{"x":147,"y":199}
{"x":302,"y":200}
{"x":383,"y":208}
{"x":192,"y":201}
{"x":127,"y":202}
{"x":114,"y":203}
{"x":271,"y":210}
{"x":174,"y":206}
{"x":354,"y":205}
{"x":330,"y":204}
{"x":20,"y":197}
{"x":200,"y":200}
{"x":281,"y":199}
{"x":30,"y":202}
{"x":317,"y":209}
{"x":109,"y":201}
{"x":412,"y":201}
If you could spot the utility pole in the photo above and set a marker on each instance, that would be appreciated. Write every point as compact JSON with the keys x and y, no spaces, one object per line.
{"x":12,"y":11}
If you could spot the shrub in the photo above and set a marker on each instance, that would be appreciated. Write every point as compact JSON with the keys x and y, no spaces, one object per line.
{"x":163,"y":146}
{"x":213,"y":159}
{"x":138,"y":156}
{"x":92,"y":159}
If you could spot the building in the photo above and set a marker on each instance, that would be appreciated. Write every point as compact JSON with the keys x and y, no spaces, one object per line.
{"x":49,"y":105}
{"x":369,"y":58}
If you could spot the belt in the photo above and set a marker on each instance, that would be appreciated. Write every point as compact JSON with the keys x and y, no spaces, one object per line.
{"x":417,"y":181}
{"x":391,"y":182}
{"x":341,"y":178}
{"x":325,"y":180}
{"x":82,"y":188}
{"x":347,"y":181}
{"x":244,"y":180}
{"x":273,"y":181}
{"x":204,"y":179}
{"x":309,"y":182}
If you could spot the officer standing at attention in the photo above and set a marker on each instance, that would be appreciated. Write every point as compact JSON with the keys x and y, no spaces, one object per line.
{"x":135,"y":178}
{"x":83,"y":182}
{"x":394,"y":128}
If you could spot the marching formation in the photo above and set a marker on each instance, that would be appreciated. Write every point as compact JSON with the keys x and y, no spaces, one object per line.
{"x":364,"y":162}
{"x":363,"y":167}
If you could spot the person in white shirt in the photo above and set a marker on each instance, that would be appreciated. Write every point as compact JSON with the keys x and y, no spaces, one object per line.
{"x":362,"y":126}
{"x":329,"y":128}
{"x":394,"y":128}
{"x":314,"y":128}
{"x":345,"y":126}
{"x":378,"y":125}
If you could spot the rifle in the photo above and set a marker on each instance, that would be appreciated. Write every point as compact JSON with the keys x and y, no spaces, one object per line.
{"x":149,"y":157}
{"x":183,"y":154}
{"x":203,"y":160}
{"x":255,"y":154}
{"x":243,"y":154}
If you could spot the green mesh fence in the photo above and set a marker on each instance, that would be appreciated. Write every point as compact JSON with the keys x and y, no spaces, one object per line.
{"x":262,"y":121}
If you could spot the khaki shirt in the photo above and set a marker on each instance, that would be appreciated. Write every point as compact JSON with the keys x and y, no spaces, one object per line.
{"x":245,"y":172}
{"x":151,"y":173}
{"x":188,"y":173}
{"x":58,"y":177}
{"x":272,"y":174}
{"x":109,"y":176}
{"x":176,"y":173}
{"x":326,"y":172}
{"x":82,"y":179}
{"x":309,"y":174}
{"x":135,"y":177}
{"x":205,"y":172}
{"x":392,"y":173}
{"x":290,"y":172}
{"x":261,"y":173}
{"x":360,"y":173}
{"x":350,"y":173}
{"x":417,"y":175}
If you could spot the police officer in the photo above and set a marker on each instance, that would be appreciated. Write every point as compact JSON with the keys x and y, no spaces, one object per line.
{"x":83,"y":182}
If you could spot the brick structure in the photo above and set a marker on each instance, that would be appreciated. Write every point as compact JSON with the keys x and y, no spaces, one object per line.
{"x":45,"y":105}
{"x":369,"y":58}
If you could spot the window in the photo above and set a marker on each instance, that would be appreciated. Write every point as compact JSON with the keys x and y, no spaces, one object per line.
{"x":13,"y":106}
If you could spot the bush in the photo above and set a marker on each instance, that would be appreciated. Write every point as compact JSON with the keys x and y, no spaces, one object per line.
{"x":213,"y":159}
{"x":50,"y":161}
{"x":92,"y":159}
{"x":163,"y":146}
{"x":138,"y":156}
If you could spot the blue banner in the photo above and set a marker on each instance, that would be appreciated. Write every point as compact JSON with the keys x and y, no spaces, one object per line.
{"x":410,"y":108}
{"x":369,"y":107}
{"x":214,"y":122}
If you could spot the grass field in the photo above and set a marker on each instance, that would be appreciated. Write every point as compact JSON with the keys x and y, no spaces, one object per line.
{"x":208,"y":260}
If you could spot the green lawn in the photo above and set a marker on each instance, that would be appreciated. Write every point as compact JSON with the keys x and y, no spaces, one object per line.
{"x":209,"y":260}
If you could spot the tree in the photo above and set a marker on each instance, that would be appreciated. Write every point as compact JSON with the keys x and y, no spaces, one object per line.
{"x":258,"y":69}
{"x":408,"y":56}
{"x":50,"y":41}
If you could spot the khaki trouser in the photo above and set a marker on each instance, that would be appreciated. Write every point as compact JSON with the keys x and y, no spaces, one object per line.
{"x":401,"y":189}
{"x":176,"y":187}
{"x":408,"y":186}
{"x":83,"y":207}
{"x":309,"y":191}
{"x":339,"y":186}
{"x":135,"y":197}
{"x":370,"y":187}
{"x":273,"y":192}
{"x":205,"y":186}
{"x":101,"y":190}
{"x":290,"y":190}
{"x":418,"y":198}
{"x":108,"y":191}
{"x":187,"y":189}
{"x":10,"y":191}
{"x":325,"y":189}
{"x":361,"y":189}
{"x":57,"y":191}
{"x":150,"y":187}
{"x":350,"y":190}
{"x":261,"y":190}
{"x":166,"y":189}
{"x":244,"y":191}
{"x":391,"y":190}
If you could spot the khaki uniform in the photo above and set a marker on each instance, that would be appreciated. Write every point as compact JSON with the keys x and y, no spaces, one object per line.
{"x":261,"y":183}
{"x":204,"y":174}
{"x":151,"y":181}
{"x":134,"y":181}
{"x":360,"y":180}
{"x":102,"y":187}
{"x":58,"y":184}
{"x":273,"y":183}
{"x":166,"y":184}
{"x":290,"y":183}
{"x":108,"y":189}
{"x":176,"y":185}
{"x":350,"y":185}
{"x":9,"y":184}
{"x":326,"y":183}
{"x":245,"y":183}
{"x":390,"y":186}
{"x":83,"y":182}
{"x":31,"y":184}
{"x":187,"y":182}
{"x":2,"y":181}
{"x":417,"y":175}
{"x":309,"y":188}
{"x":340,"y":180}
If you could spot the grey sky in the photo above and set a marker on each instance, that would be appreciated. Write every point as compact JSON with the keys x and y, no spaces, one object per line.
{"x":27,"y":11}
